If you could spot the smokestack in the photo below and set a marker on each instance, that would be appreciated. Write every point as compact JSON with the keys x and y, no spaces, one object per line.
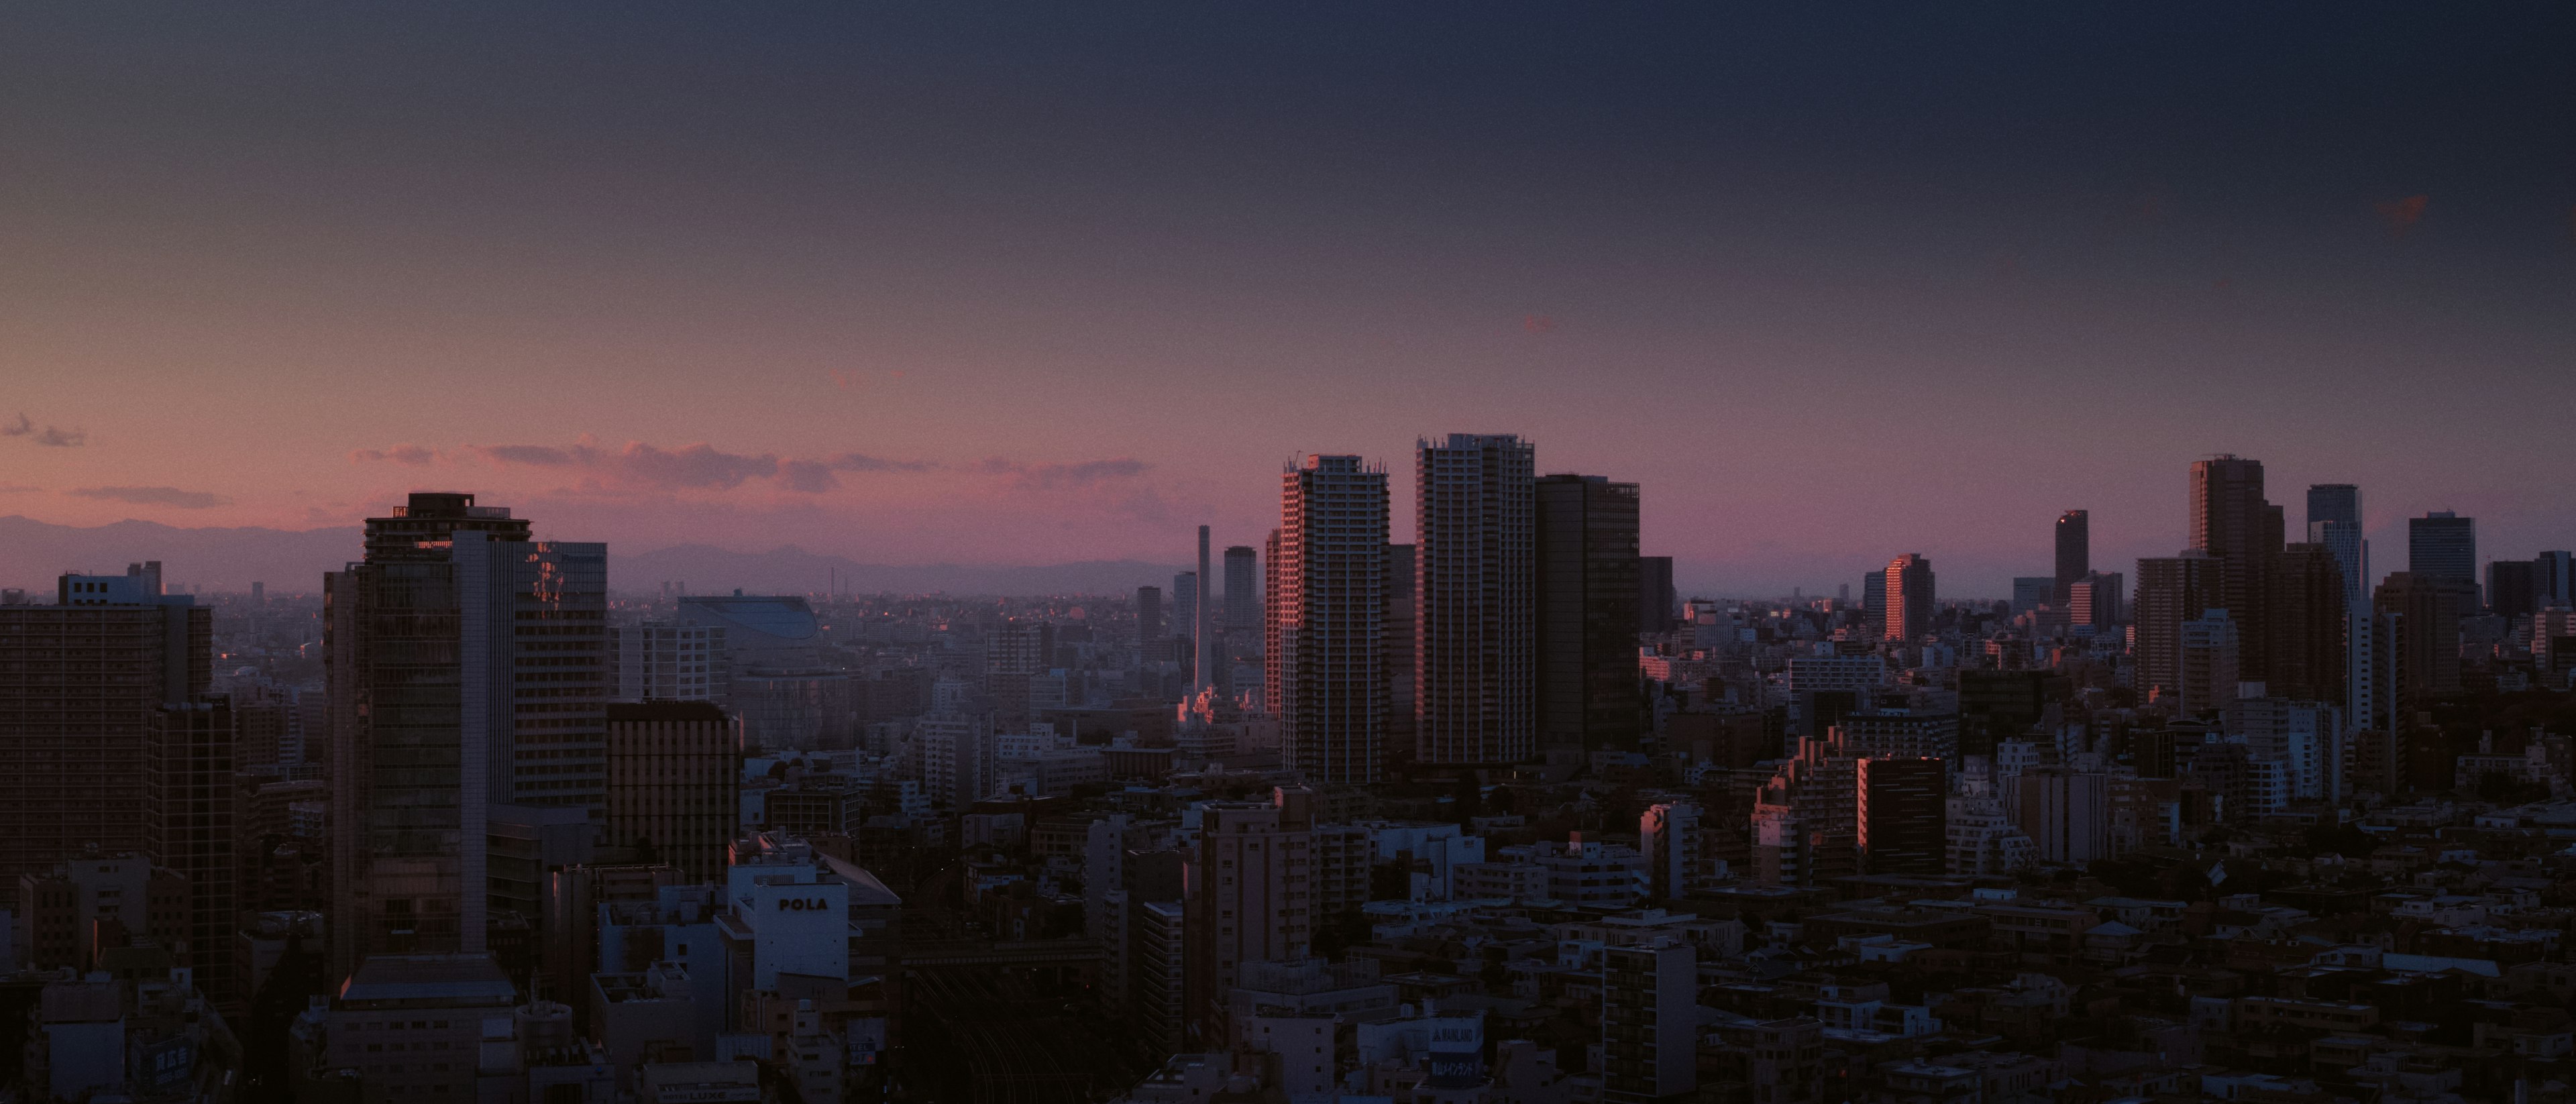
{"x":1204,"y":647}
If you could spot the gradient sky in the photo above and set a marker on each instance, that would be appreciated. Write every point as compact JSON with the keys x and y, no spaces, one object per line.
{"x":1058,"y":282}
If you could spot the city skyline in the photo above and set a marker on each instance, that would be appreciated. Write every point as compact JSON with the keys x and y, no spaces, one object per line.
{"x":751,"y":292}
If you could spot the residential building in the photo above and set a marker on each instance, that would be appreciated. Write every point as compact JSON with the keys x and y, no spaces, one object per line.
{"x":80,"y":681}
{"x":1649,"y":1023}
{"x":1475,"y":661}
{"x":1326,"y":655}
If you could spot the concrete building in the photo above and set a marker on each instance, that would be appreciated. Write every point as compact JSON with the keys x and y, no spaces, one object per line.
{"x":670,"y":660}
{"x":1587,"y":590}
{"x":1475,"y":604}
{"x":80,"y":681}
{"x":1250,"y":897}
{"x":672,"y":771}
{"x":1649,"y":1023}
{"x":1325,"y":654}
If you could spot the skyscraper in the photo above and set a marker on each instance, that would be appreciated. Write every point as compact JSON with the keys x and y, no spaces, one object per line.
{"x":80,"y":681}
{"x":2231,"y":521}
{"x":2074,"y":552}
{"x":2512,"y":588}
{"x":1202,"y":633}
{"x":2171,"y":590}
{"x":1475,"y":668}
{"x":1909,"y":597}
{"x":2306,"y":604}
{"x":1655,"y":598}
{"x":2442,"y":545}
{"x":1149,"y":614}
{"x":425,"y":642}
{"x":1242,"y":594}
{"x":1587,"y":595}
{"x":188,"y":827}
{"x":2421,"y":657}
{"x":1327,"y":596}
{"x":2334,"y":520}
{"x":1185,"y":603}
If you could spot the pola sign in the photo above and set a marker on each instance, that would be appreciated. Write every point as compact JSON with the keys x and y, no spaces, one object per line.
{"x":804,"y":904}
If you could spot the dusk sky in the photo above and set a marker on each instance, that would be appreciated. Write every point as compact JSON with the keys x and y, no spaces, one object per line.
{"x":1060,"y":282}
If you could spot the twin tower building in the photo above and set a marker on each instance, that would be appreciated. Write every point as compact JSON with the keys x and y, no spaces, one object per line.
{"x":1505,"y":633}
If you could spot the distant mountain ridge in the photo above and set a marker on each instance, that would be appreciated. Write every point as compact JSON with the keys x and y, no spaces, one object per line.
{"x":33,"y":552}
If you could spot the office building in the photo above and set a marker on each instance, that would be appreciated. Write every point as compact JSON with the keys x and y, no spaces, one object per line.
{"x":2305,"y":599}
{"x":1873,"y":603}
{"x":2420,"y":653}
{"x":1909,"y":597}
{"x":1250,"y":897}
{"x":1649,"y":1023}
{"x":1655,"y":597}
{"x":672,"y":770}
{"x":1242,"y":594}
{"x":80,"y":681}
{"x":188,"y":790}
{"x":426,"y":641}
{"x":2443,"y":545}
{"x":2171,"y":590}
{"x":1587,"y":590}
{"x":1149,"y":613}
{"x":2513,"y":588}
{"x":1475,"y":666}
{"x":2233,"y":523}
{"x":1326,"y":660}
{"x":2074,"y":553}
{"x":1904,"y":816}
